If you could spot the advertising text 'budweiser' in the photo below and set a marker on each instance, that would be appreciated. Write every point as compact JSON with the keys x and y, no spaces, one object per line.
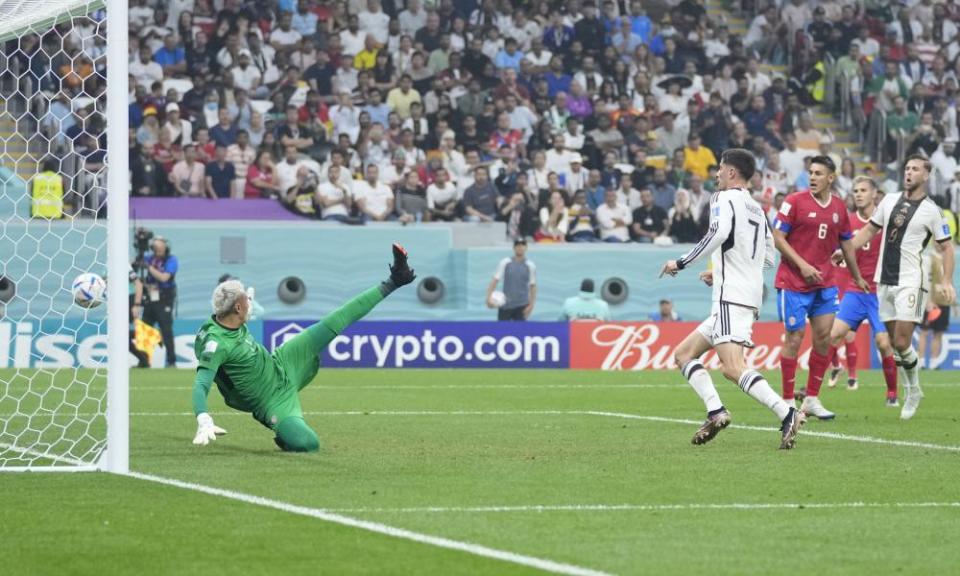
{"x":650,"y":346}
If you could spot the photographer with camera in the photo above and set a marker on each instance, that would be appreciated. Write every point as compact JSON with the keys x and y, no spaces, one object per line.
{"x":158,"y":269}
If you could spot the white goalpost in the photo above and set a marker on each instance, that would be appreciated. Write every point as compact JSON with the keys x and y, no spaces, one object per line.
{"x":64,"y":197}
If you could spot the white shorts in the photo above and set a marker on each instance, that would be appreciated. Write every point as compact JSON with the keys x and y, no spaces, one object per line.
{"x":729,"y":323}
{"x":906,"y":303}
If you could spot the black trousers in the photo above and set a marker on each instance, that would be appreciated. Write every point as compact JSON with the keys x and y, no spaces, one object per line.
{"x":514,"y":314}
{"x":160,"y":314}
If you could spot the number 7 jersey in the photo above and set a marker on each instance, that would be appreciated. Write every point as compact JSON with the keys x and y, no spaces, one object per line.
{"x":740,"y":244}
{"x":815,"y":231}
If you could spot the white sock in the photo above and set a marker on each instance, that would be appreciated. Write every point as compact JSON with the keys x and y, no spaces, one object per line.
{"x":700,"y":380}
{"x":911,"y":366}
{"x":757,"y":387}
{"x":901,"y":373}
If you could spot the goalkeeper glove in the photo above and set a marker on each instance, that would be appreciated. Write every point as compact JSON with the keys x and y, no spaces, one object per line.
{"x":207,"y":431}
{"x":400,"y":272}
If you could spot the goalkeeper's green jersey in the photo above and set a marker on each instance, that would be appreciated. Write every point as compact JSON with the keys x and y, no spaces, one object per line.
{"x":245,"y":372}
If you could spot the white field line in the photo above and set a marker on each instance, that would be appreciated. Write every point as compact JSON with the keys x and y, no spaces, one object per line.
{"x":805,"y":432}
{"x":401,"y":533}
{"x":648,"y":507}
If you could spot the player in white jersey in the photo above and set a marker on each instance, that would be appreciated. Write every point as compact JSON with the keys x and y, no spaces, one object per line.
{"x":740,"y":244}
{"x":908,"y":220}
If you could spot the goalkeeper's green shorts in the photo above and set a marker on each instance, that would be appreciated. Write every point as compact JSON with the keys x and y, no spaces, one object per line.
{"x":299,"y":361}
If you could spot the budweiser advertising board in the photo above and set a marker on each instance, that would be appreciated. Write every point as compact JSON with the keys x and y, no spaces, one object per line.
{"x":650,"y":346}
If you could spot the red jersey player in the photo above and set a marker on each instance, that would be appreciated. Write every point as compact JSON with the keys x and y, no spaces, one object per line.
{"x":858,"y":305}
{"x":808,"y":228}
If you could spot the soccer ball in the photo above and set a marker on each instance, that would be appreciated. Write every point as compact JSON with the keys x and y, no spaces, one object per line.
{"x":88,"y":290}
{"x":498,"y":299}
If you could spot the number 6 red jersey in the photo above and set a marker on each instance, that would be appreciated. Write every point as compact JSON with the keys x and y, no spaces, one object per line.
{"x":814,"y":230}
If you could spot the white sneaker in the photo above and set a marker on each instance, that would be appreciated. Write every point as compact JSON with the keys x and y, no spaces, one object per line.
{"x":812,"y":407}
{"x":911,"y":401}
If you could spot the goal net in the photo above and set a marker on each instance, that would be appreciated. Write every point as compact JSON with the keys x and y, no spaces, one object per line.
{"x":54,"y":364}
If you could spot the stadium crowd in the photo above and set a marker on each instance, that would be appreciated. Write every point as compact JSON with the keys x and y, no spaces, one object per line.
{"x":568,"y":120}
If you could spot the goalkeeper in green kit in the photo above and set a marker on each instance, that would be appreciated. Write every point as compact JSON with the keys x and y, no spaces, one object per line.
{"x":264,"y":384}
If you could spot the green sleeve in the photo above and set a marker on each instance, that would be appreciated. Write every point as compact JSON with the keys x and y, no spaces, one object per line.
{"x":337,"y":321}
{"x":212,"y":355}
{"x":201,"y":387}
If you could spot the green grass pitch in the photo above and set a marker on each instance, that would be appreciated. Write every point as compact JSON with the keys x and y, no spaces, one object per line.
{"x":548,"y":464}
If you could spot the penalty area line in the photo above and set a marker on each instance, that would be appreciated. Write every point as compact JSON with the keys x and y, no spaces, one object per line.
{"x":395,"y":532}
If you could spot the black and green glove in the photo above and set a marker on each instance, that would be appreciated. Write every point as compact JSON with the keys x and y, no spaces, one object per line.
{"x":401,"y":273}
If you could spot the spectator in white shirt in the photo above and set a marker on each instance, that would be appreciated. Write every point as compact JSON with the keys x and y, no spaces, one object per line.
{"x":588,"y":77}
{"x":374,"y":199}
{"x":139,"y":14}
{"x":286,"y":171}
{"x":576,"y":177}
{"x":573,"y":138}
{"x":374,"y":21}
{"x":284,"y":38}
{"x":241,"y":154}
{"x":453,"y":160}
{"x":558,"y":157}
{"x":869,"y":47}
{"x":352,"y":39}
{"x":334,"y":196}
{"x":145,"y":71}
{"x":757,"y":80}
{"x":614,"y":219}
{"x":538,"y":57}
{"x":345,"y":117}
{"x":229,"y":54}
{"x":628,"y":195}
{"x":337,"y":158}
{"x":442,"y":197}
{"x":179,"y":130}
{"x":245,"y":75}
{"x":524,"y":30}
